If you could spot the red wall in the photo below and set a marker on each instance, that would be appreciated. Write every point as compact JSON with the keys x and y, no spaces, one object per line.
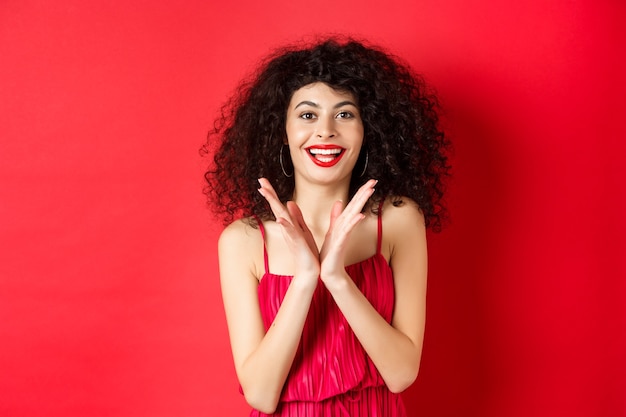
{"x":109,"y":296}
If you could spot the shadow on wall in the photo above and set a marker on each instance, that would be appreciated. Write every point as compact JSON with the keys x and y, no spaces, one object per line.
{"x":457,"y":376}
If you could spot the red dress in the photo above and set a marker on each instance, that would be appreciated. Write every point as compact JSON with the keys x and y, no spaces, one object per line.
{"x":331,"y":374}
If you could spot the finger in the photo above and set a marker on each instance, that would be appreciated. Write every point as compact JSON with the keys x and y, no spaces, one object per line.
{"x":346,"y":224}
{"x":267,"y":189}
{"x":287,"y":227}
{"x":298,"y":218}
{"x":362,"y":195}
{"x":342,"y":223}
{"x":359,"y":200}
{"x":296,"y":215}
{"x":298,"y":238}
{"x":335,"y":212}
{"x":277,"y":207}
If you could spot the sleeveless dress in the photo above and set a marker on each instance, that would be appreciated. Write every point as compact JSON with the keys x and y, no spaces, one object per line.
{"x":331,"y":374}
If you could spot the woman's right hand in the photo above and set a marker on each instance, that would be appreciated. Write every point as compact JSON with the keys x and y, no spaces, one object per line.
{"x":295,"y":232}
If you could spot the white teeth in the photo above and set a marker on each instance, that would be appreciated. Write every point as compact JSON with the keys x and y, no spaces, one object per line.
{"x":316,"y":151}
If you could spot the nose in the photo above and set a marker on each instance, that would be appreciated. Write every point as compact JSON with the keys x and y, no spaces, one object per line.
{"x":325,"y":128}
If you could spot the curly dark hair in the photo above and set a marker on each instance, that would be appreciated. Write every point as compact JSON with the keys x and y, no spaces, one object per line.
{"x":406,"y":150}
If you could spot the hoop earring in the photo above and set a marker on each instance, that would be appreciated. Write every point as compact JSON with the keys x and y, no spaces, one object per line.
{"x":367,"y":158}
{"x":280,"y":159}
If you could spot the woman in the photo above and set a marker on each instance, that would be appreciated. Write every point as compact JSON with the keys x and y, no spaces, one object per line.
{"x":328,"y":173}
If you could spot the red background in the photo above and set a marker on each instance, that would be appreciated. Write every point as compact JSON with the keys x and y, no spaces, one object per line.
{"x":109,"y":295}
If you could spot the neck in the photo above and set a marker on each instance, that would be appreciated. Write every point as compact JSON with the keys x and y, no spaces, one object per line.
{"x":316,"y":200}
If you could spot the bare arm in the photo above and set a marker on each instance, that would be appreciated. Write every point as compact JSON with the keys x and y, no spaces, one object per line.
{"x":395,"y":349}
{"x":262,"y":360}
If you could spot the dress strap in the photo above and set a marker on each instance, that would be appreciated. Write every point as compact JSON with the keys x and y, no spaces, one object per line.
{"x":379,"y":239}
{"x":265,"y":258}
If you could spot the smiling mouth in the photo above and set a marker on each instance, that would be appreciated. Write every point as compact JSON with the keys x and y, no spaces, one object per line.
{"x":325,"y":156}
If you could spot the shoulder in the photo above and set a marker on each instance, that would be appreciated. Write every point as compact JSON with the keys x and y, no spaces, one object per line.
{"x":403,"y":225}
{"x":400,"y":213}
{"x":241,"y":243}
{"x":239,"y":231}
{"x":404,"y":240}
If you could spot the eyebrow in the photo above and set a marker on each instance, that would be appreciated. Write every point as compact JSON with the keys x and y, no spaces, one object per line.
{"x":317,"y":106}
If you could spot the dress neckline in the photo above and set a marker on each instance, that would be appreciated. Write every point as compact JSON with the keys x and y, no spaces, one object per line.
{"x":372,"y":258}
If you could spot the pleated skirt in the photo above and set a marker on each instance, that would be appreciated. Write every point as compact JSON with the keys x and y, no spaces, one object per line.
{"x":369,"y":402}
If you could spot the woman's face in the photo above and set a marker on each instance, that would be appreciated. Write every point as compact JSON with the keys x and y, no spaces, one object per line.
{"x":324,"y":133}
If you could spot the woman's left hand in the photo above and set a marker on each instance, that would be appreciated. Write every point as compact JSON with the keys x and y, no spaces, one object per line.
{"x":342,"y":222}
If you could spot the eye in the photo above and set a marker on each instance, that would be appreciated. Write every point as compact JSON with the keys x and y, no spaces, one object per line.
{"x":345,"y":115}
{"x":307,"y":115}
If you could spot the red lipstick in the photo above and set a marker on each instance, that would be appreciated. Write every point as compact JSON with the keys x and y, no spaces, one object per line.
{"x":325,"y":156}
